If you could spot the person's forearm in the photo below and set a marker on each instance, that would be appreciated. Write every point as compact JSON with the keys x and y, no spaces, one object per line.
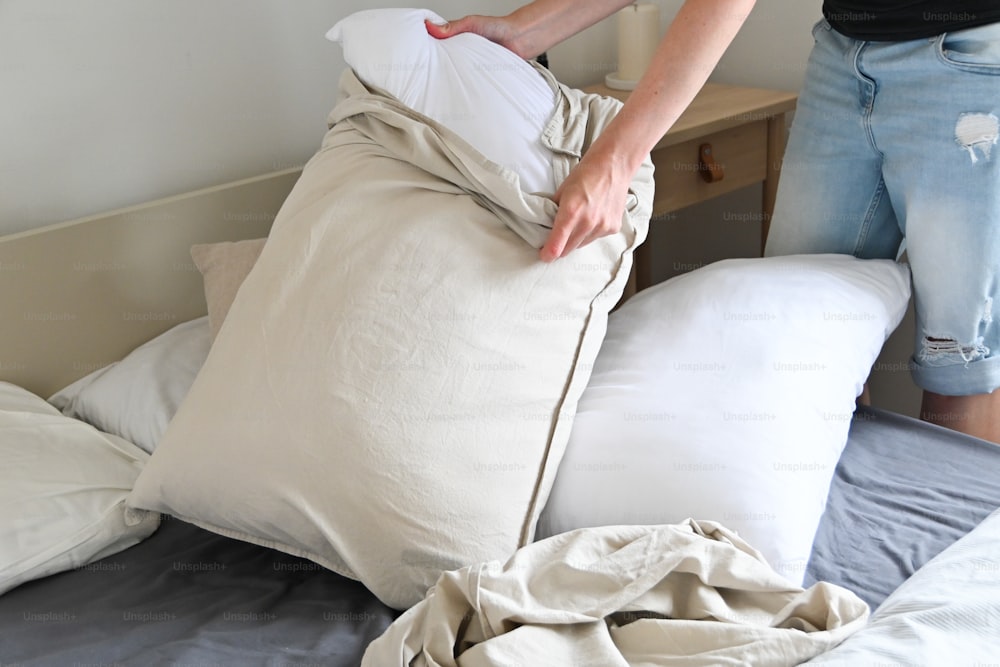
{"x":540,"y":25}
{"x":686,"y":56}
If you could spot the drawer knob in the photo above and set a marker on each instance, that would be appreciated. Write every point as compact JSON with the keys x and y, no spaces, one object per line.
{"x":710,"y":170}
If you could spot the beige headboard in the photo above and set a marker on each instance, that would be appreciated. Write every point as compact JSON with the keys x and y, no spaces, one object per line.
{"x":76,"y":296}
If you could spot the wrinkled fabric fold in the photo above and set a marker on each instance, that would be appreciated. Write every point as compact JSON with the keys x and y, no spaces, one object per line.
{"x":409,"y":136}
{"x":688,"y":594}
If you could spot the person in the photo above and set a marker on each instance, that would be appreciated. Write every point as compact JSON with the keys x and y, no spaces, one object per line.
{"x":592,"y":197}
{"x":892,"y":148}
{"x":893,"y":145}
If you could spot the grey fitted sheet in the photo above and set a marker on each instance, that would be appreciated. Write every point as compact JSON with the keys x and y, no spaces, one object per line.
{"x":903,"y":492}
{"x":186,"y":596}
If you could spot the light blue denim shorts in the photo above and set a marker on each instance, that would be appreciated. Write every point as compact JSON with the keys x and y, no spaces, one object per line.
{"x":893,"y":144}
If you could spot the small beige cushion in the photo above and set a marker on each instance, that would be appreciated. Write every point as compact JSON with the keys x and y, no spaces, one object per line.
{"x":223,"y":267}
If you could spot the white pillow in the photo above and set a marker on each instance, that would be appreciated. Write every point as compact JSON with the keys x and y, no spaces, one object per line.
{"x":726,"y":394}
{"x":483,"y":92}
{"x":947,"y":613}
{"x":62,"y":491}
{"x":135,"y":398}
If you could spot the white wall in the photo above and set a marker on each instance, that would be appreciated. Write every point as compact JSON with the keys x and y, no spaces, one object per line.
{"x":112,"y":103}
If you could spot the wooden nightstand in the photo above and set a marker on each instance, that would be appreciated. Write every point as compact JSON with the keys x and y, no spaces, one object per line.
{"x":743,"y":131}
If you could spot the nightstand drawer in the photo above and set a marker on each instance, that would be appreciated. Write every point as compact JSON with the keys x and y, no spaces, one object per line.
{"x":740,"y":151}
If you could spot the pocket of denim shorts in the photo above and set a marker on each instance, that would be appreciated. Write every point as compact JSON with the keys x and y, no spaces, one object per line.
{"x":972,"y":50}
{"x":820,"y":27}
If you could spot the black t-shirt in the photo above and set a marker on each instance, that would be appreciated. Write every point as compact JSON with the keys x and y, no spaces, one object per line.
{"x":899,"y":20}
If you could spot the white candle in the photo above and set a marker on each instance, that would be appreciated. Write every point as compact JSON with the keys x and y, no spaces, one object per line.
{"x":638,"y":36}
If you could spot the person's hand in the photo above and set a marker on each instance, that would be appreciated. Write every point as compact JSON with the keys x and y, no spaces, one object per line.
{"x":592,"y":199}
{"x":591,"y":205}
{"x":498,"y":29}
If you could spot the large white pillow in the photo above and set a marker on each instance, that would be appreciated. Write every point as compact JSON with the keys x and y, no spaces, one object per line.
{"x":490,"y":97}
{"x":135,"y":398}
{"x":62,"y":491}
{"x":726,"y":394}
{"x":396,"y":378}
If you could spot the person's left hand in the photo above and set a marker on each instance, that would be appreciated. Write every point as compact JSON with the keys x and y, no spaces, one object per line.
{"x":591,"y":203}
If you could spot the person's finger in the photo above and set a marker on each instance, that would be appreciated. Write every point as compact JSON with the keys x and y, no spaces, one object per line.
{"x":569,"y":232}
{"x":451,"y":28}
{"x":579,"y":236}
{"x":438,"y":30}
{"x":555,"y":244}
{"x":560,"y":241}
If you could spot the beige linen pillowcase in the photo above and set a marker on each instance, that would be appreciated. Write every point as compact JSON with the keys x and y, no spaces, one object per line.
{"x":223,"y":267}
{"x":399,"y":372}
{"x":63,"y":486}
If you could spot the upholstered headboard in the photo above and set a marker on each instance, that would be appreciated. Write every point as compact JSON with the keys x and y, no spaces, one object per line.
{"x":78,"y":295}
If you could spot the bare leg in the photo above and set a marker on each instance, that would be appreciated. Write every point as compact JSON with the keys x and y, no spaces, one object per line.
{"x":977,"y":415}
{"x":865,"y":397}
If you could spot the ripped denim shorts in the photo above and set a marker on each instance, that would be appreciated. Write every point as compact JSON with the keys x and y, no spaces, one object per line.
{"x":894,"y":146}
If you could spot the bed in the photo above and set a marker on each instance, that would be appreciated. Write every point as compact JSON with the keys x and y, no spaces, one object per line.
{"x":705,"y":427}
{"x":187,"y":596}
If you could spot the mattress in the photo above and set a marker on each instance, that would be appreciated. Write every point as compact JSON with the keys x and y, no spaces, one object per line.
{"x":903,"y":492}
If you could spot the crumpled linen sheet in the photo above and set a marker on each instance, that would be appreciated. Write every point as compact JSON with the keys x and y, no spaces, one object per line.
{"x":687,"y":594}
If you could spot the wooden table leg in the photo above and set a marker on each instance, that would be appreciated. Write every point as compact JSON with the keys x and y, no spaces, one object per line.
{"x":775,"y":154}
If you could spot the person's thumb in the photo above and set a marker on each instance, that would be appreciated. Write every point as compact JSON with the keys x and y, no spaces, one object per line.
{"x":439,"y":30}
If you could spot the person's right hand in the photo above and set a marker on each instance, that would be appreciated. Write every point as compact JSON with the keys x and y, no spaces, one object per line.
{"x":497,"y":29}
